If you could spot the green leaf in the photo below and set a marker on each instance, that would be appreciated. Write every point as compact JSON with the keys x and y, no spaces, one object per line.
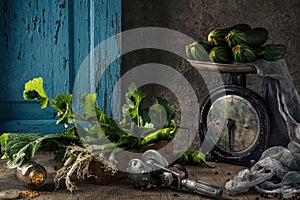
{"x":158,"y":116}
{"x":20,"y":148}
{"x":92,"y":110}
{"x":3,"y":138}
{"x":34,"y":90}
{"x":169,"y":107}
{"x":99,"y":127}
{"x":97,"y":131}
{"x":89,"y":102}
{"x":144,"y":117}
{"x":131,"y":109}
{"x":62,"y":104}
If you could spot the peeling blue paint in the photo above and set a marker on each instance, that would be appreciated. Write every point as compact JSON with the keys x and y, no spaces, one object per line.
{"x":50,"y":39}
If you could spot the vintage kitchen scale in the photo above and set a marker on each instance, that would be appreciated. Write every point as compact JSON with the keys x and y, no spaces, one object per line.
{"x":233,"y":117}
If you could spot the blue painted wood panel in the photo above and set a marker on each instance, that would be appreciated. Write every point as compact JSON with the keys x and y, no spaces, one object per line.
{"x":102,"y":21}
{"x":107,"y":73}
{"x":50,"y":39}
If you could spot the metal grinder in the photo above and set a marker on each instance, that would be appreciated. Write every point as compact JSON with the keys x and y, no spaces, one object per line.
{"x":153,"y":170}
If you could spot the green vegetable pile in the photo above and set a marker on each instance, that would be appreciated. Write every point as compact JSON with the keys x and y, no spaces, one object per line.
{"x":99,"y":134}
{"x":98,"y":128}
{"x":238,"y":43}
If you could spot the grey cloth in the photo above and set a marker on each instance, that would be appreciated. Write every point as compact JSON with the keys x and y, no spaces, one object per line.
{"x":276,"y":87}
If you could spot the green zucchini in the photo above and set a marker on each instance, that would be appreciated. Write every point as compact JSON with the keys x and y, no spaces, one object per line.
{"x":196,"y":51}
{"x":221,"y":54}
{"x":254,"y":37}
{"x":206,"y":46}
{"x":273,"y":52}
{"x":217,"y":37}
{"x":243,"y":53}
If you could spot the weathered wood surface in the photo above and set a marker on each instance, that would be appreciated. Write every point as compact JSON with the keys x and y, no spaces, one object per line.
{"x":35,"y":43}
{"x":123,"y":189}
{"x":51,"y":39}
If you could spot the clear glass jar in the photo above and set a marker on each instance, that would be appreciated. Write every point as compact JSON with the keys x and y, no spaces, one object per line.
{"x":32,"y":174}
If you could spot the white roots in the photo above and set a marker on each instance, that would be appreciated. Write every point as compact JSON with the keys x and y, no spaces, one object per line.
{"x":110,"y":164}
{"x":76,"y":166}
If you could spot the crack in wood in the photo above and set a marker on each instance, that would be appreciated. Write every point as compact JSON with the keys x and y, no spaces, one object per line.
{"x":63,"y":5}
{"x":5,"y":7}
{"x":56,"y":31}
{"x":65,"y":60}
{"x":35,"y":22}
{"x":23,"y":20}
{"x":106,"y":13}
{"x":37,"y":4}
{"x":43,"y":16}
{"x":19,"y":53}
{"x":6,"y":39}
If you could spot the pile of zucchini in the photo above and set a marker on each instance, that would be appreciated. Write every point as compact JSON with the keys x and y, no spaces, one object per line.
{"x":238,"y":43}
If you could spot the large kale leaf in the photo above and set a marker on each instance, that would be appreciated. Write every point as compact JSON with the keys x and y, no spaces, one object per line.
{"x":20,"y":148}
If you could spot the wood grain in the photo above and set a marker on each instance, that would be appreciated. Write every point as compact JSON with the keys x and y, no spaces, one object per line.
{"x":123,"y":189}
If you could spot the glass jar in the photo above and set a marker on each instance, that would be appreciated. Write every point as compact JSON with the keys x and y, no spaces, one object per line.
{"x":32,"y":174}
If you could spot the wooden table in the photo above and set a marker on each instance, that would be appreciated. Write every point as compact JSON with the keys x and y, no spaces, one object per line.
{"x":123,"y":189}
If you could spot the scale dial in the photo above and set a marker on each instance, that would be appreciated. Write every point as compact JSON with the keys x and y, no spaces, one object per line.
{"x":241,"y":128}
{"x":236,"y":121}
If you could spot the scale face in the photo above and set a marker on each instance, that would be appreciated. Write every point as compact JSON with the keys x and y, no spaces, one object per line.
{"x":241,"y":128}
{"x":236,"y":120}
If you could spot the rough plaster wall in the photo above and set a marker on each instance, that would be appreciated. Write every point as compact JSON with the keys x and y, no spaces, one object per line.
{"x":196,"y":18}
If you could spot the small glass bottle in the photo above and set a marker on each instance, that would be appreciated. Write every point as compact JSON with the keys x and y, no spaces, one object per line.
{"x":32,"y":174}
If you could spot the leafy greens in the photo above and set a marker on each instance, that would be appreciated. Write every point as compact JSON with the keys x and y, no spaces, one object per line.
{"x":94,"y":127}
{"x":20,"y":148}
{"x":138,"y":127}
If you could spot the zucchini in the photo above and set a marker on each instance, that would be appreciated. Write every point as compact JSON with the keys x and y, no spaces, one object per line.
{"x":254,"y":37}
{"x":243,"y":53}
{"x":206,"y":46}
{"x":196,"y":51}
{"x":273,"y":52}
{"x":217,"y":37}
{"x":220,"y":54}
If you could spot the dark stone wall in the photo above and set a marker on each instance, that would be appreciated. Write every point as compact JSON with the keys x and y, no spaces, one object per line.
{"x":196,"y":18}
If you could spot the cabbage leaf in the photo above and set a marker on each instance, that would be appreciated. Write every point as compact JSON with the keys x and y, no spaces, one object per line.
{"x":19,"y":148}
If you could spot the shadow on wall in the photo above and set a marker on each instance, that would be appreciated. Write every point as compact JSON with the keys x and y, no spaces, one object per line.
{"x":196,"y":18}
